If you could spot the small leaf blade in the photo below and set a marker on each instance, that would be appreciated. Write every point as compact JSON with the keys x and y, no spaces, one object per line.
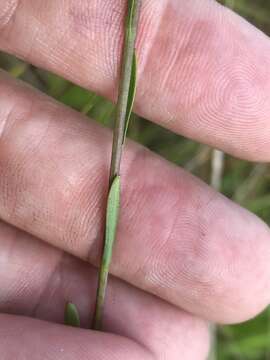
{"x":130,"y":15}
{"x":112,"y":215}
{"x":131,"y":93}
{"x":72,"y":317}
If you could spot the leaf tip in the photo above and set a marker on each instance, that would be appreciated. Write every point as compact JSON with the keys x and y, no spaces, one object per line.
{"x":72,"y":317}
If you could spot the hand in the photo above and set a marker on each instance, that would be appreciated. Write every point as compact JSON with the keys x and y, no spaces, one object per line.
{"x":184,"y":252}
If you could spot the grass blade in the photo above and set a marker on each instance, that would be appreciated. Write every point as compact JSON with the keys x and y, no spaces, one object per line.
{"x":131,"y":93}
{"x":124,"y":85}
{"x":72,"y":317}
{"x":112,"y":215}
{"x":126,"y":94}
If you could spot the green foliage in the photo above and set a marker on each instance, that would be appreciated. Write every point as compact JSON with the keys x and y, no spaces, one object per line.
{"x":112,"y":215}
{"x":72,"y":317}
{"x":111,"y":220}
{"x":131,"y":93}
{"x":126,"y":96}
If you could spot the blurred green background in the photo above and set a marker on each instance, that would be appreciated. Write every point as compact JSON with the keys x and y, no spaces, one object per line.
{"x":247,"y":183}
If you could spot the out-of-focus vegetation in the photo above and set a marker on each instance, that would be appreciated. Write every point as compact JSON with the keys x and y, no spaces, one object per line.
{"x":247,"y":183}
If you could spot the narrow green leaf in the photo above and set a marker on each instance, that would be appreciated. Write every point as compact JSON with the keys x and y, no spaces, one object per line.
{"x":110,"y":234}
{"x":126,"y":94}
{"x":131,"y":93}
{"x":72,"y":317}
{"x":111,"y":219}
{"x":130,"y":15}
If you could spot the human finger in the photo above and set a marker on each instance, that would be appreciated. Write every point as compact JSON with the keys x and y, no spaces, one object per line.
{"x":177,"y":237}
{"x":203,"y":71}
{"x":37,"y":280}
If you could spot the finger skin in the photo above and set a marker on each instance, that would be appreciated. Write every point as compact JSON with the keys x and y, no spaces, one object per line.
{"x":186,"y":243}
{"x":37,"y":280}
{"x":203,"y":71}
{"x":24,"y":338}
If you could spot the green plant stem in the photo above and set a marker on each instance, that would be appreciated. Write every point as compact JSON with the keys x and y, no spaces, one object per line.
{"x":124,"y":86}
{"x":124,"y":94}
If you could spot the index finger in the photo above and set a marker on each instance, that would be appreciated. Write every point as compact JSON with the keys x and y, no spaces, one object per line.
{"x":203,"y":71}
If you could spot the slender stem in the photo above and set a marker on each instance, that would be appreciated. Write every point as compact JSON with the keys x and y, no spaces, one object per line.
{"x":127,"y":60}
{"x":118,"y":140}
{"x":218,"y":158}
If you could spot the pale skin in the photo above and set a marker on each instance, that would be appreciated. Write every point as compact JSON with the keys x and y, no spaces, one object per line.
{"x":185,"y":255}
